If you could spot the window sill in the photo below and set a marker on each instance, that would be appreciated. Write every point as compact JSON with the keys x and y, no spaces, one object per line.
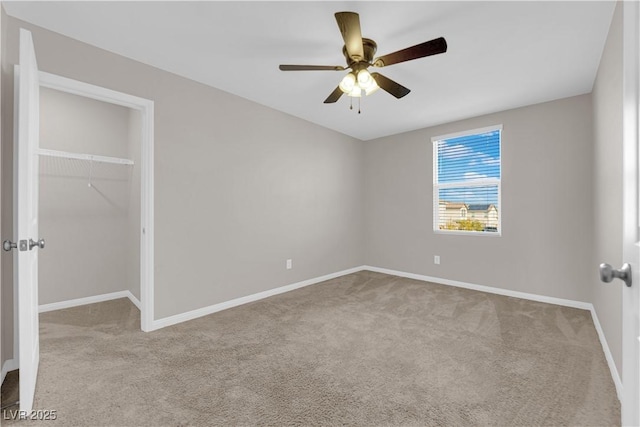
{"x":468,"y":233}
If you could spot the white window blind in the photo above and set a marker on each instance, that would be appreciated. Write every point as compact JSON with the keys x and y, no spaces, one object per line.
{"x":466,"y":181}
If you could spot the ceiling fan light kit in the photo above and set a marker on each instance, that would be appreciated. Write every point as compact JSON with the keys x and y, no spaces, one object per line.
{"x":348,"y":83}
{"x":354,"y":87}
{"x":359,"y":53}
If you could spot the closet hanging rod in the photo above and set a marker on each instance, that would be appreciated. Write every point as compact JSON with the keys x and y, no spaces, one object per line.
{"x":82,"y":156}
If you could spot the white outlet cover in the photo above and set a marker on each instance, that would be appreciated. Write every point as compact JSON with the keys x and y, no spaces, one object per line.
{"x":436,"y":259}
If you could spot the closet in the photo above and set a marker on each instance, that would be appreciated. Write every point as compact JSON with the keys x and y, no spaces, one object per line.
{"x":89,"y":198}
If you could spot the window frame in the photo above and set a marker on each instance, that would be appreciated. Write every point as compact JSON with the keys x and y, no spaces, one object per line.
{"x":472,"y":183}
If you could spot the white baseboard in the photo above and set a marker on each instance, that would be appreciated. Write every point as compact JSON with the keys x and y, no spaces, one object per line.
{"x":607,"y":354}
{"x":194,"y":314}
{"x":533,"y":297}
{"x":8,"y":366}
{"x":88,"y":300}
{"x":483,"y":288}
{"x":134,"y":300}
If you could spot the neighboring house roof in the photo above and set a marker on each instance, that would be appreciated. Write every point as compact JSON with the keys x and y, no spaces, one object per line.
{"x":481,"y":207}
{"x":478,"y":207}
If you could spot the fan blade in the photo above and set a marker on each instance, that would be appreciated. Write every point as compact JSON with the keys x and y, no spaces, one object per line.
{"x":311,"y":68}
{"x":335,"y":95}
{"x":421,"y":50}
{"x":349,"y":24}
{"x":390,"y":86}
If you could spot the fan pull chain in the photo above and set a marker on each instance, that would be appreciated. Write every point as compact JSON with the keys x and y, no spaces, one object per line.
{"x":351,"y":104}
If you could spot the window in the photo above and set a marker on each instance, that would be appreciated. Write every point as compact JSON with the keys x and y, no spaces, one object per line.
{"x":466,"y":182}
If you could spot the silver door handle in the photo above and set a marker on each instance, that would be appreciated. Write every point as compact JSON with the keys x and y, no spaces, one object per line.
{"x":608,"y":273}
{"x":7,"y":245}
{"x":39,"y":243}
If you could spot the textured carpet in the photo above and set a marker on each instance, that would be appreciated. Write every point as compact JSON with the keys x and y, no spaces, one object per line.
{"x":9,"y":391}
{"x":365,"y":349}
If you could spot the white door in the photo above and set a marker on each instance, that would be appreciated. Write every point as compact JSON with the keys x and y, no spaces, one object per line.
{"x":27,"y":219}
{"x":631,"y":217}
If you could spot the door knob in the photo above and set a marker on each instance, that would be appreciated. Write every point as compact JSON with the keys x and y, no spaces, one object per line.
{"x":608,"y":273}
{"x":39,"y":243}
{"x":7,"y":245}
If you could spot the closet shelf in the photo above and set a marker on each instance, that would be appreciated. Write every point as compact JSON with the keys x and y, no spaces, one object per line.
{"x":82,"y":156}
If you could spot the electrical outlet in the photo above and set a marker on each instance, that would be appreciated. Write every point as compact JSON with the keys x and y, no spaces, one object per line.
{"x":289,"y":264}
{"x":436,"y":259}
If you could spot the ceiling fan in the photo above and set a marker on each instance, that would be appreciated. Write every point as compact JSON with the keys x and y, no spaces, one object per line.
{"x":358,"y":52}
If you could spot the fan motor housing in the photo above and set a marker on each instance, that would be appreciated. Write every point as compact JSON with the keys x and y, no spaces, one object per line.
{"x":369,"y":47}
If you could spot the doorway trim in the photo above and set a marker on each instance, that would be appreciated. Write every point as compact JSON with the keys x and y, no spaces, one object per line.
{"x":146,"y":108}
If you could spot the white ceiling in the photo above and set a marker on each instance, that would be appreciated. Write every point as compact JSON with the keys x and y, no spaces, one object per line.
{"x":501,"y":55}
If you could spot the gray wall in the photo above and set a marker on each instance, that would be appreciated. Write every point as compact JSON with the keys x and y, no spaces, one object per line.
{"x":607,"y":179}
{"x":546,"y":204}
{"x":239,"y":187}
{"x":6,"y":215}
{"x":87,"y":229}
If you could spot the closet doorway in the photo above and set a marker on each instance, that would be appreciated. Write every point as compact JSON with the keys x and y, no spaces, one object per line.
{"x":96,"y":196}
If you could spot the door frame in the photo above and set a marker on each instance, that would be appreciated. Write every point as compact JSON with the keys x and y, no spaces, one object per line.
{"x":146,"y":108}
